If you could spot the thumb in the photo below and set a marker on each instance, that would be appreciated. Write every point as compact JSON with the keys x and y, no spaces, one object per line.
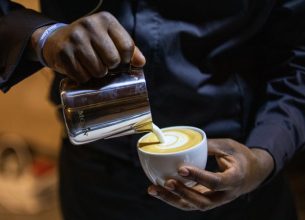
{"x":138,"y":59}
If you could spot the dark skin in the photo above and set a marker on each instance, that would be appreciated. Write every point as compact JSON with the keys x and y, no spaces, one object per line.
{"x":241,"y":171}
{"x":88,"y":48}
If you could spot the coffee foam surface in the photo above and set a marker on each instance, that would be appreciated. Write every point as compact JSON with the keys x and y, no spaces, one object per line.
{"x":175,"y":140}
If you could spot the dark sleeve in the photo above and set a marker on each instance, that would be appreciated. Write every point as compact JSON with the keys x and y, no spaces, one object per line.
{"x":16,"y":27}
{"x":280,"y":122}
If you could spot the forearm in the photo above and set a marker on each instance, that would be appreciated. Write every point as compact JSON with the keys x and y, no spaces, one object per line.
{"x":280,"y":124}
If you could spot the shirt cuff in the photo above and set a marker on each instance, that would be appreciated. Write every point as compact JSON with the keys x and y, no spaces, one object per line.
{"x":16,"y":28}
{"x":274,"y":139}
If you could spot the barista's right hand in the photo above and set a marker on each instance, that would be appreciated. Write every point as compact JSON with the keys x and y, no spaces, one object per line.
{"x":89,"y":47}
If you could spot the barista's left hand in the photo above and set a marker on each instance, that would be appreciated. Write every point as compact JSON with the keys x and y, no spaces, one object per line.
{"x":241,"y":171}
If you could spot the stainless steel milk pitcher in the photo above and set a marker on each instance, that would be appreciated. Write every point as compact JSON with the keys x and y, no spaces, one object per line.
{"x":112,"y":106}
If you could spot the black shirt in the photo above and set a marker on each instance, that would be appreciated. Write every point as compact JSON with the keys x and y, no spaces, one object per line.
{"x":233,"y":68}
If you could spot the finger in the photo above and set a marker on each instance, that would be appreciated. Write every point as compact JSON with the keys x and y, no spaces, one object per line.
{"x":190,"y":195}
{"x":86,"y":55}
{"x":100,"y":39}
{"x":91,"y":62}
{"x":106,"y":49}
{"x":169,"y":198}
{"x":138,"y":59}
{"x":219,"y":198}
{"x":202,"y":201}
{"x":80,"y":72}
{"x":83,"y":69}
{"x":223,"y":151}
{"x":200,"y":188}
{"x":122,"y":40}
{"x":224,"y":163}
{"x":214,"y":181}
{"x":72,"y":68}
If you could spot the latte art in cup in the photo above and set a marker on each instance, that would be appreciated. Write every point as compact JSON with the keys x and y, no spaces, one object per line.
{"x":175,"y":140}
{"x":181,"y":145}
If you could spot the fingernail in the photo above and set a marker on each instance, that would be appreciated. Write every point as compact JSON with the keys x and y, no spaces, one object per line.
{"x":138,"y":58}
{"x":183,"y":172}
{"x":152,"y":191}
{"x":169,"y":186}
{"x":141,"y":55}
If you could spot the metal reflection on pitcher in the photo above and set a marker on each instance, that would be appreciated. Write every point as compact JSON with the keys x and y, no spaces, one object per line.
{"x":113,"y":106}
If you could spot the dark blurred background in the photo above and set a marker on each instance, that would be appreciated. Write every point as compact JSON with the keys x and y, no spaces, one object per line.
{"x":29,"y":146}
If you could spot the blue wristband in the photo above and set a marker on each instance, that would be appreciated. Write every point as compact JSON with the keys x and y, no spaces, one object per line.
{"x":43,"y":38}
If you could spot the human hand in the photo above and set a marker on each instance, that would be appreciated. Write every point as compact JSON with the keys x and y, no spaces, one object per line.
{"x":241,"y":171}
{"x":89,"y":47}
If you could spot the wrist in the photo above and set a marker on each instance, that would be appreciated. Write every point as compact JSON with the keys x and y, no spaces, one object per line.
{"x":44,"y":37}
{"x":264,"y":161}
{"x":39,"y":38}
{"x":33,"y":43}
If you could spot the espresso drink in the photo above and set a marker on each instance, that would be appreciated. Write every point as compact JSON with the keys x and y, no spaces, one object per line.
{"x":171,"y":140}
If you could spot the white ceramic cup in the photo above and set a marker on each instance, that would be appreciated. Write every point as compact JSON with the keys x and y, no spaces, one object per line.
{"x":159,"y":167}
